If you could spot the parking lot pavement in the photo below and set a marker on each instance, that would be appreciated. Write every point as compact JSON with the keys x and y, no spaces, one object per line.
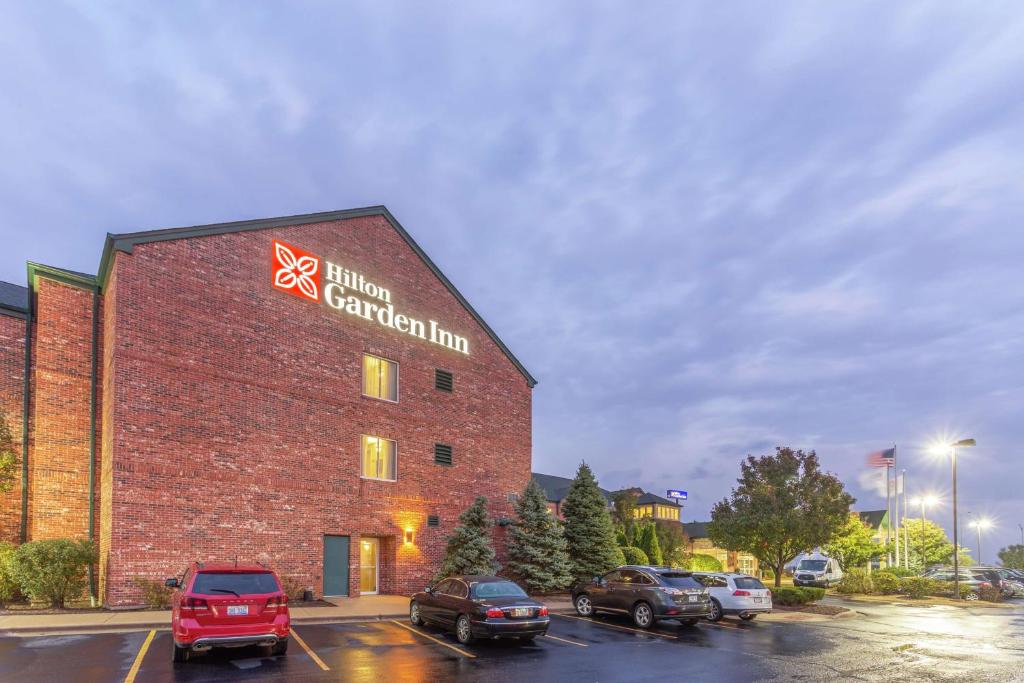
{"x":882,"y":646}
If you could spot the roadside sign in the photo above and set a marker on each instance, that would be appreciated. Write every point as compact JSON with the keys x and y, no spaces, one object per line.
{"x":675,"y":493}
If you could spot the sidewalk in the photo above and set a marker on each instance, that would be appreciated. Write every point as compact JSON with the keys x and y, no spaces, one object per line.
{"x":367,"y":608}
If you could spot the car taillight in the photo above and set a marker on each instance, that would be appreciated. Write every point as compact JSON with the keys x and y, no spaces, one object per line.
{"x":985,"y":584}
{"x":191,"y":604}
{"x":543,"y":612}
{"x":277,"y":601}
{"x":741,"y":594}
{"x":495,"y":612}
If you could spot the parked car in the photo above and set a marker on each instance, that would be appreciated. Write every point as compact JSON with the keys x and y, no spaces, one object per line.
{"x":1009,"y":583}
{"x":228,"y":605}
{"x":976,"y":580}
{"x":480,"y":607}
{"x":732,"y":593}
{"x":648,"y":594}
{"x":817,"y":570}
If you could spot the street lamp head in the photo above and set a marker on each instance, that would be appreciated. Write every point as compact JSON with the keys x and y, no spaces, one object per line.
{"x":965,"y":443}
{"x":982,"y":523}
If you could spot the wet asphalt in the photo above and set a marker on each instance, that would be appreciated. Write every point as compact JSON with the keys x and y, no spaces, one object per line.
{"x":886,"y":643}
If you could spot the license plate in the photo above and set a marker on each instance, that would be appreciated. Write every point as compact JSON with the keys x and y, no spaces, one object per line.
{"x":238,"y":610}
{"x":521,"y":612}
{"x":694,"y":598}
{"x":758,"y":599}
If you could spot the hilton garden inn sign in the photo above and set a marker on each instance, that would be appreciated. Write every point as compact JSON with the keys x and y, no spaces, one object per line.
{"x":299,"y":273}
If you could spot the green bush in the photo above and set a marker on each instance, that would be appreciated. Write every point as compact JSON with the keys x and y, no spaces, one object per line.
{"x":918,"y":587}
{"x":8,"y":584}
{"x":813,"y":594}
{"x":698,"y":562}
{"x":855,"y":581}
{"x":795,"y":595}
{"x":154,"y":593}
{"x":634,"y":555}
{"x":53,"y":571}
{"x":885,"y":582}
{"x":901,"y":572}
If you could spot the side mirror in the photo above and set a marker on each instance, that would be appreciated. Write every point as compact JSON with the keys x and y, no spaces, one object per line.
{"x":171,"y":583}
{"x":428,"y":590}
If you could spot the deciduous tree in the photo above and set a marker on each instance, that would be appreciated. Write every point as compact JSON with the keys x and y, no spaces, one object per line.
{"x":784,"y":505}
{"x":1012,"y":556}
{"x":853,"y":545}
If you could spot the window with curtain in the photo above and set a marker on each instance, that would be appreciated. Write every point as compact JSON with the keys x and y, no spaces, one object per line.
{"x":380,"y":378}
{"x":380,"y":458}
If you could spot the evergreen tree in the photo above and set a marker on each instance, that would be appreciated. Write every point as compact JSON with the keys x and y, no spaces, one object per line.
{"x":647,"y":540}
{"x":537,"y":552}
{"x":470,"y":550}
{"x":588,"y":528}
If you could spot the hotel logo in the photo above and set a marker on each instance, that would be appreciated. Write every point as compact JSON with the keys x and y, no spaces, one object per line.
{"x":295,"y":271}
{"x":298,"y":273}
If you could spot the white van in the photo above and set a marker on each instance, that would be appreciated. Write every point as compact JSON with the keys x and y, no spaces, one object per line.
{"x":817,"y":570}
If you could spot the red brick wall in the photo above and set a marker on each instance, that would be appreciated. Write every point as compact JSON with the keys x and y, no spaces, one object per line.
{"x":59,"y":452}
{"x":234,"y":411}
{"x":12,"y":374}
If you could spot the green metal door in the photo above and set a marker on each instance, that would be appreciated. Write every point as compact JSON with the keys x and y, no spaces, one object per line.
{"x":335,"y":565}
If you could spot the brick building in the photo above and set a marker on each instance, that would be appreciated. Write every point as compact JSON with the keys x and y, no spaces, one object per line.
{"x":310,"y":391}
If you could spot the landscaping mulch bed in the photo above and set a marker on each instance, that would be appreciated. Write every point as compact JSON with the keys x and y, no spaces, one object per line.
{"x":829,"y":610}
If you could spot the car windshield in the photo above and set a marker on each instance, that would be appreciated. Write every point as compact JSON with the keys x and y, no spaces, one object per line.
{"x":748,"y":582}
{"x":813,"y":565}
{"x":239,"y":583}
{"x":680,"y":580}
{"x":498,"y":589}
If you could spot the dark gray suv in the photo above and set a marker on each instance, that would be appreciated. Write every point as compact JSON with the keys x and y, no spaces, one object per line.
{"x":648,"y":594}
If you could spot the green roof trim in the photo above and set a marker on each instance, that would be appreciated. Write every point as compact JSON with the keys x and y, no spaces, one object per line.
{"x":126,"y":242}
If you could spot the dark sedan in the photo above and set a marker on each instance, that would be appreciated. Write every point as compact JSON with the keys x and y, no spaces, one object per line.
{"x":480,"y":607}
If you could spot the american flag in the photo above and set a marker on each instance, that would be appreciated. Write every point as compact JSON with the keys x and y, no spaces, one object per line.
{"x":886,"y":458}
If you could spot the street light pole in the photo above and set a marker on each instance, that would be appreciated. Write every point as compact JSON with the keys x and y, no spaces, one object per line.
{"x":978,"y":527}
{"x":962,"y":443}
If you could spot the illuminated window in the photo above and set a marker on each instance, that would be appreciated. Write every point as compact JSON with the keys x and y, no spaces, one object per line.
{"x":657,"y":511}
{"x":380,"y":378}
{"x":643,"y":511}
{"x":380,"y":458}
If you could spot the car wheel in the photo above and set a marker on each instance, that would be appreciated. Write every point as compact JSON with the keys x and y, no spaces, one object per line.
{"x":181,"y":654}
{"x":643,"y":616}
{"x":279,"y":650}
{"x":972,"y":596}
{"x":463,"y":630}
{"x":584,"y":607}
{"x":747,"y":617}
{"x":716,"y":611}
{"x":414,"y":614}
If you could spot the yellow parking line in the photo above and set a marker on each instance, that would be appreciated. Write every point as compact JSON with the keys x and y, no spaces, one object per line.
{"x":309,"y":650}
{"x":134,"y":671}
{"x":571,"y":642}
{"x":436,"y":640}
{"x":623,"y":628}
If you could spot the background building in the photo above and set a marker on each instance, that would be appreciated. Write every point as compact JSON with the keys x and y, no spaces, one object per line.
{"x":309,"y":390}
{"x":732,"y":560}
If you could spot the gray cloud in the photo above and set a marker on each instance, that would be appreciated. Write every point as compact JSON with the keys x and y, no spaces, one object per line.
{"x":707,"y":229}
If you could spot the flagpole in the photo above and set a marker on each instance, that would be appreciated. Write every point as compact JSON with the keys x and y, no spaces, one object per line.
{"x":896,"y":502}
{"x":906,"y":532}
{"x":888,"y":513}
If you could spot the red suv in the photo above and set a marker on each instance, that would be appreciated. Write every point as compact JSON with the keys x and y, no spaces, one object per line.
{"x":228,"y":605}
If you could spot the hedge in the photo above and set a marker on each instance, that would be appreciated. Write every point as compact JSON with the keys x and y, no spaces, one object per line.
{"x":8,"y":584}
{"x":796,"y":595}
{"x":53,"y":571}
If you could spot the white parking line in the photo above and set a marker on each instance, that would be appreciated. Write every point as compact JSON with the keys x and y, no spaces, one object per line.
{"x":436,"y":640}
{"x":621,"y":628}
{"x":564,"y":640}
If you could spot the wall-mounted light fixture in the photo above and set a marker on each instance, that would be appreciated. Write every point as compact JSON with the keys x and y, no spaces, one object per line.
{"x":408,"y":537}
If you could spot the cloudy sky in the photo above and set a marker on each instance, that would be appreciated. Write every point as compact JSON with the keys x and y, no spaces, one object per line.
{"x":707,"y":228}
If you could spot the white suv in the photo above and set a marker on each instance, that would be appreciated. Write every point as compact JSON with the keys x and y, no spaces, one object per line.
{"x":738,"y":594}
